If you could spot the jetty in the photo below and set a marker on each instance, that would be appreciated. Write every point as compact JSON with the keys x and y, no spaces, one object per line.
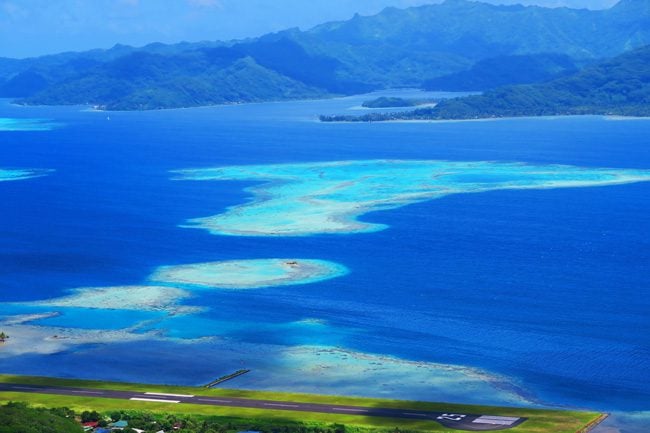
{"x":225,"y":378}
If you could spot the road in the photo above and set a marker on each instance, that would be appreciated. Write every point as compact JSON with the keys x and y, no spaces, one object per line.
{"x":469,"y":422}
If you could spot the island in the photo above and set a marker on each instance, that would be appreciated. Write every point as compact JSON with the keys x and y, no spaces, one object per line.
{"x":615,"y":87}
{"x":452,"y":45}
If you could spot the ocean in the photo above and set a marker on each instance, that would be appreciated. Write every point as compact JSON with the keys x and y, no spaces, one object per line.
{"x":529,"y":296}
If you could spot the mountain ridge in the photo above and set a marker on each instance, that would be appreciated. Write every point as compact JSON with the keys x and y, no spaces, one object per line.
{"x":394,"y":48}
{"x":617,"y":86}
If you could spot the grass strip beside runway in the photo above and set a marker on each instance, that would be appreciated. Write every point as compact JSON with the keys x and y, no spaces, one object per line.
{"x":539,"y":421}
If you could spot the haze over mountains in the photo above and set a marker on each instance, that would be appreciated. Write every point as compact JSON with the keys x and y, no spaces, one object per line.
{"x":454,"y":45}
{"x":618,"y":86}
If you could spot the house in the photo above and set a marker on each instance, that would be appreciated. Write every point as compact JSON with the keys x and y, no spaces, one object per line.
{"x":102,"y":430}
{"x":119,"y":424}
{"x":90,"y":425}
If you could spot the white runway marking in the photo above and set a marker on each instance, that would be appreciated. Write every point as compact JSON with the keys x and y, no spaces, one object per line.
{"x":162,"y":394}
{"x":155,"y":400}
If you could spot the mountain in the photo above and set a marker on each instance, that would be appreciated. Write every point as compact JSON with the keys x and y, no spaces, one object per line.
{"x":467,"y":43}
{"x":144,"y":80}
{"x":406,"y":47}
{"x":619,"y":86}
{"x":499,"y":71}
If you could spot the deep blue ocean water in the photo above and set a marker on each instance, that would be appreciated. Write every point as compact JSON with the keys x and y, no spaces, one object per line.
{"x":549,"y":287}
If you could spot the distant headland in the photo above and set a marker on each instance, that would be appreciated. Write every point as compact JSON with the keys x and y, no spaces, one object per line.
{"x":455,"y":45}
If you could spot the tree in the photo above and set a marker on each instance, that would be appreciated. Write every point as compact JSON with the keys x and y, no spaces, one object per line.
{"x":17,"y":417}
{"x":87,"y":416}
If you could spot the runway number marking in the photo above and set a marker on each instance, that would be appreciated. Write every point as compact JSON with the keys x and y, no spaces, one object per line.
{"x":451,"y":416}
{"x":496,"y":420}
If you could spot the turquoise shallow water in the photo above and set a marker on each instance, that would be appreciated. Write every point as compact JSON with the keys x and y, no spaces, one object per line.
{"x":543,"y":290}
{"x":20,"y":174}
{"x":26,"y":124}
{"x":308,"y":199}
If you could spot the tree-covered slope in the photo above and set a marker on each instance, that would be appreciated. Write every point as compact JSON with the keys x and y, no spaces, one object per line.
{"x":494,"y":45}
{"x":618,"y":86}
{"x":409,"y":46}
{"x":143,"y":80}
{"x":503,"y":70}
{"x":18,"y":418}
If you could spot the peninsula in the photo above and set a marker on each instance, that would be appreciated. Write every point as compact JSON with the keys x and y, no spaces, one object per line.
{"x":619,"y":86}
{"x":458,"y":44}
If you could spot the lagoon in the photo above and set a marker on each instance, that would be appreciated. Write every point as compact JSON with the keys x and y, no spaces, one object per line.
{"x":515,"y":296}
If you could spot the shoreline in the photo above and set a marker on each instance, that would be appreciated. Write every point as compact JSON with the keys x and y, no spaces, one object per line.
{"x":490,"y":119}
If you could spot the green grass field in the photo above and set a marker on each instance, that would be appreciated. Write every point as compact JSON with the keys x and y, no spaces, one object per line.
{"x":539,"y":421}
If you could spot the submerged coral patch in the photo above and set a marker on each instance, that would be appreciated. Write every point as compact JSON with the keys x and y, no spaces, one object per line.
{"x":20,"y":124}
{"x":248,"y":274}
{"x":317,"y":198}
{"x":141,"y":298}
{"x":21,"y":174}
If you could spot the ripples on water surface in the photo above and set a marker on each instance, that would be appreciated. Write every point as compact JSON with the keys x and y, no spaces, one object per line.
{"x":530,"y":295}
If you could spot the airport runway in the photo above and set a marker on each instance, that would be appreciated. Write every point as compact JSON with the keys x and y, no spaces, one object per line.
{"x":457,"y":421}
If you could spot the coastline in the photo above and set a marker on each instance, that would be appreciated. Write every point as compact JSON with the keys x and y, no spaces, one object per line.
{"x":489,"y":119}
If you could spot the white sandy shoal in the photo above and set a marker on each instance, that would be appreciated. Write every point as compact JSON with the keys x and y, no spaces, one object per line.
{"x":141,"y":298}
{"x":42,"y":340}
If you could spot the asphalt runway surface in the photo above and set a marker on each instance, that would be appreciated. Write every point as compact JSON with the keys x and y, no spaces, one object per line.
{"x":457,"y":421}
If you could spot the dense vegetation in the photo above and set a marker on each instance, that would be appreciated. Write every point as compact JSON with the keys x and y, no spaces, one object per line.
{"x":144,"y":80}
{"x":503,"y":70}
{"x":620,"y":86}
{"x":152,"y":422}
{"x":395,"y":48}
{"x":19,"y":418}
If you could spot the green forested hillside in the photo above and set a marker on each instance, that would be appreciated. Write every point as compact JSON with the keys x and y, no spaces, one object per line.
{"x":456,"y":44}
{"x":142,"y":81}
{"x":620,"y":86}
{"x":18,"y":418}
{"x":503,"y":70}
